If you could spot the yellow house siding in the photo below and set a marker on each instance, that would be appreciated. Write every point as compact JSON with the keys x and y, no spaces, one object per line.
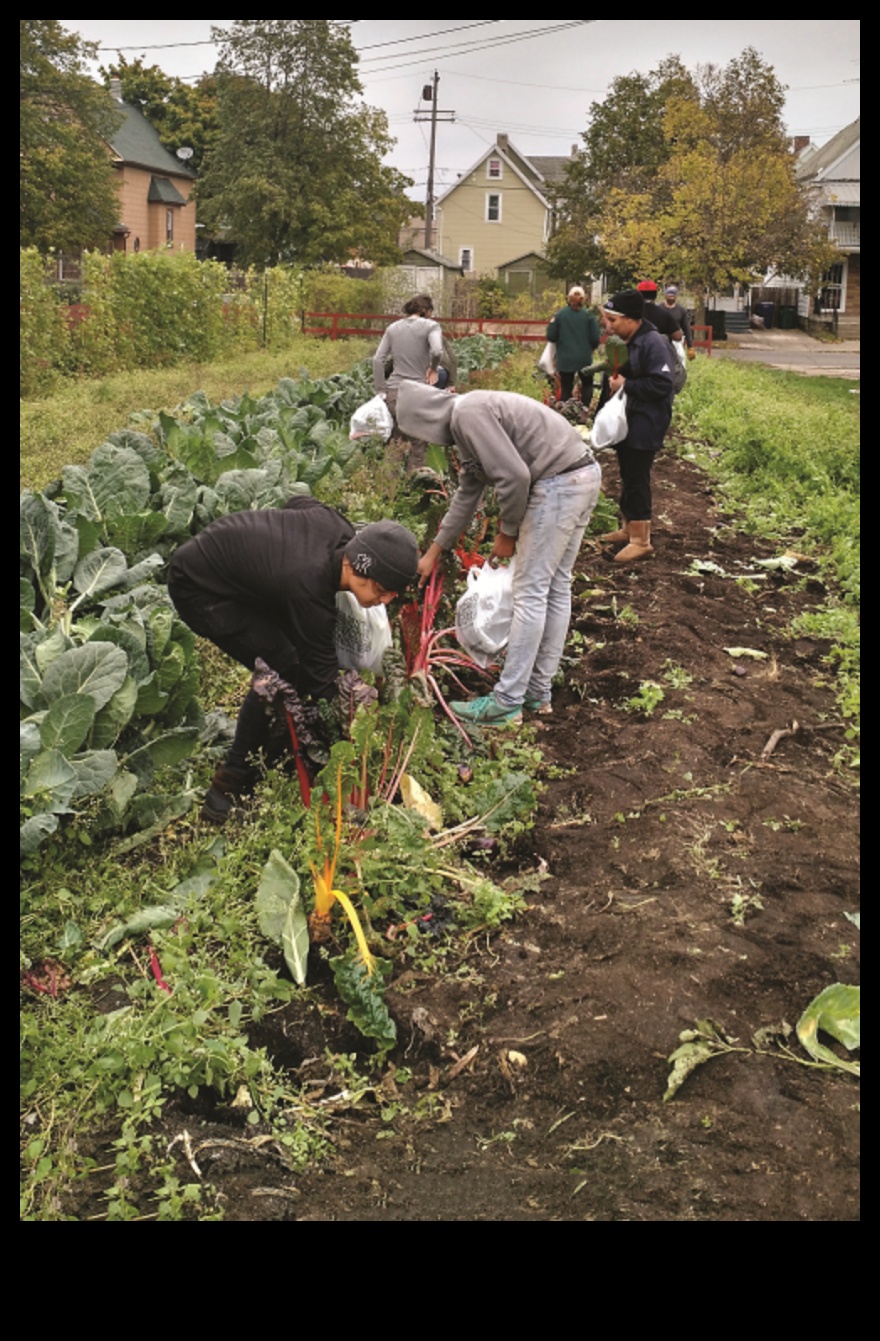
{"x":462,"y":221}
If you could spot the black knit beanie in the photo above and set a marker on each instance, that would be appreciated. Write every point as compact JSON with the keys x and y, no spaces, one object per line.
{"x":386,"y":552}
{"x":628,"y":302}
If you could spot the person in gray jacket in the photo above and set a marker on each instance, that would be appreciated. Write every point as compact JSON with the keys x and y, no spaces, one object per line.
{"x":546,"y":481}
{"x":414,"y":347}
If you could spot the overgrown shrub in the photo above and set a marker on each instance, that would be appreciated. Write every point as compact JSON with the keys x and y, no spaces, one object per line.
{"x":43,"y":331}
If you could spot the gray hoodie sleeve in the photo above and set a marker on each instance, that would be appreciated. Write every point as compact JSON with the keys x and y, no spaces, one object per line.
{"x":379,"y":358}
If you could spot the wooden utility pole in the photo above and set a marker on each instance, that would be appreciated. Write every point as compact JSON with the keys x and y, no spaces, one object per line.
{"x":429,"y":94}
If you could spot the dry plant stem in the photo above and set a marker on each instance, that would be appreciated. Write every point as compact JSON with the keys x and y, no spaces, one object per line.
{"x":777,"y":736}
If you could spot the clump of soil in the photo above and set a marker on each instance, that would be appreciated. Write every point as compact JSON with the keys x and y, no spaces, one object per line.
{"x":690,"y":873}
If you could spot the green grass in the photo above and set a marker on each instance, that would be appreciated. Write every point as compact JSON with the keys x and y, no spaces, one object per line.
{"x":784,"y":449}
{"x":65,"y":428}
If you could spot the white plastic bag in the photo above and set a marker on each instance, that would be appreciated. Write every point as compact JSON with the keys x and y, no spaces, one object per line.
{"x":372,"y":420}
{"x":610,"y":424}
{"x":484,"y":613}
{"x":547,"y":361}
{"x":679,"y":367}
{"x":363,"y":635}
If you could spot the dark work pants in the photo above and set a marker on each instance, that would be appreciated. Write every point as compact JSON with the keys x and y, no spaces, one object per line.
{"x":566,"y":386}
{"x":635,"y":482}
{"x":244,"y":636}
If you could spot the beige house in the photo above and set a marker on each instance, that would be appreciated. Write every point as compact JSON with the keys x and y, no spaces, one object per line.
{"x":499,"y":210}
{"x":155,"y":187}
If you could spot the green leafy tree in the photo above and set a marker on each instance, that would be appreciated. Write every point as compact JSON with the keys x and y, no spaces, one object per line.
{"x":624,"y":147}
{"x":68,"y":188}
{"x":694,"y":180}
{"x":296,"y":174}
{"x":184,"y":115}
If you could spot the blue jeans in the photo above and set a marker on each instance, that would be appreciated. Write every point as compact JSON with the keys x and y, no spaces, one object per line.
{"x":550,"y":535}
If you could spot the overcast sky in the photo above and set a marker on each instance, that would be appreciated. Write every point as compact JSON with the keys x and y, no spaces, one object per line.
{"x":522,"y":77}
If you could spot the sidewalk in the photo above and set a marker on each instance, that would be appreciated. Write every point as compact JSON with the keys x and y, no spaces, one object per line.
{"x":793,"y":351}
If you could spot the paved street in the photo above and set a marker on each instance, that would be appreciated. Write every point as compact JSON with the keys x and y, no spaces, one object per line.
{"x":793,"y":351}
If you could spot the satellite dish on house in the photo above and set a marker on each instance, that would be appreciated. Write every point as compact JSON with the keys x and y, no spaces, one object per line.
{"x":184,"y":153}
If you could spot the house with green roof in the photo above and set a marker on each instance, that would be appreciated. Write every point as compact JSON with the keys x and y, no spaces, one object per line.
{"x":155,"y":205}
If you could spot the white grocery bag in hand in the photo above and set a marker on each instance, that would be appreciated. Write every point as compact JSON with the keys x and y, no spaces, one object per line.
{"x":484,"y":613}
{"x":610,"y":426}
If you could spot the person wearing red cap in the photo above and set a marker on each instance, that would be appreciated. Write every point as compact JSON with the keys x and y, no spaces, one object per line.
{"x":666,"y":321}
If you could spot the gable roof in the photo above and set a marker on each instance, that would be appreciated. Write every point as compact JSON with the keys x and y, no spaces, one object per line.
{"x":537,"y":173}
{"x":137,"y":142}
{"x":430,"y":257}
{"x":821,"y":163}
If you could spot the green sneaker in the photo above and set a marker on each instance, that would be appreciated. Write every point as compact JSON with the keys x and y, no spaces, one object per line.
{"x":540,"y":706}
{"x":487,"y":711}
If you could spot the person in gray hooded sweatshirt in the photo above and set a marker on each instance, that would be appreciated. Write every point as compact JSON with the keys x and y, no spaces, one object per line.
{"x":546,"y":481}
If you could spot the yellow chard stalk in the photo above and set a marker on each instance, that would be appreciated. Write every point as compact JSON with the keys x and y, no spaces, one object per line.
{"x":326,"y":895}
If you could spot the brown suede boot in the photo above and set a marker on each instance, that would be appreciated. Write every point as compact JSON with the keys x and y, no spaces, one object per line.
{"x":227,"y":785}
{"x":639,"y":546}
{"x":616,"y":537}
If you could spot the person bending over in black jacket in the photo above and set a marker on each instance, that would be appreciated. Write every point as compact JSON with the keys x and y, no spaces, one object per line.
{"x":262,"y":584}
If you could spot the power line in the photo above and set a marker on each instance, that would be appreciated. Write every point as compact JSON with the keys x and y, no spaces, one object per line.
{"x":464,"y":48}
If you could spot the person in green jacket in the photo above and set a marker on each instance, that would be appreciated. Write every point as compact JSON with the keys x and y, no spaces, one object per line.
{"x":575,"y":333}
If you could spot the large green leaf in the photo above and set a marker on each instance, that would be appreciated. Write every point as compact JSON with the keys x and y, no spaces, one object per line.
{"x":30,"y":677}
{"x":131,"y":636}
{"x":33,"y":831}
{"x":29,"y":744}
{"x":279,"y":885}
{"x":178,"y":497}
{"x":99,"y":571}
{"x":121,"y":480}
{"x":67,"y":723}
{"x":67,"y":550}
{"x":38,"y":524}
{"x":116,"y":483}
{"x":50,"y":647}
{"x":50,"y":782}
{"x":136,"y":532}
{"x":112,"y":719}
{"x":362,"y":993}
{"x":169,"y":748}
{"x":837,"y":1012}
{"x":93,"y":771}
{"x":295,"y":940}
{"x":98,"y":669}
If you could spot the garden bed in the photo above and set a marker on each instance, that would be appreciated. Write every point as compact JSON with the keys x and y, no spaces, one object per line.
{"x":691,"y":873}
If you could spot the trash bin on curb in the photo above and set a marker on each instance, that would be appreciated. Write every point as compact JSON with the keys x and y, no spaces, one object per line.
{"x":716,"y":320}
{"x":766,"y":311}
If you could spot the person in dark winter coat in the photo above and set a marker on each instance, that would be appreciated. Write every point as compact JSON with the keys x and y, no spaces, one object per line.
{"x":262,"y":584}
{"x":575,"y":333}
{"x":647,"y":379}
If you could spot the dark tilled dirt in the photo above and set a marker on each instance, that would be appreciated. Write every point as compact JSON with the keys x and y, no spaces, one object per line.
{"x":564,"y":1020}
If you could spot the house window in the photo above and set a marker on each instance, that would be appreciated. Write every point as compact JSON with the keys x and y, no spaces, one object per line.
{"x":466,"y":259}
{"x":493,"y":169}
{"x":831,"y":294}
{"x":169,"y":227}
{"x":493,"y":207}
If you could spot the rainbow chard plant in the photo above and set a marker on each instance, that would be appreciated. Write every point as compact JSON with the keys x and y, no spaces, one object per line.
{"x":326,"y":895}
{"x":427,"y":652}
